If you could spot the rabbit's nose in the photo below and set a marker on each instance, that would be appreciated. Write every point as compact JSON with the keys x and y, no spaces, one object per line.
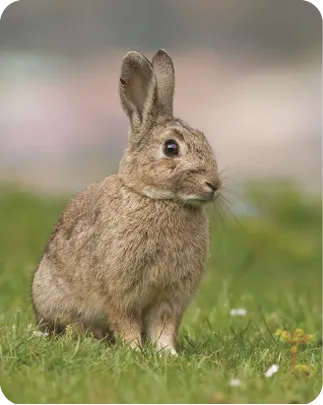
{"x":214,"y":187}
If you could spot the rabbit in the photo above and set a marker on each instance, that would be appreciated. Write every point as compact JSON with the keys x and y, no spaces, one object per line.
{"x":129,"y":252}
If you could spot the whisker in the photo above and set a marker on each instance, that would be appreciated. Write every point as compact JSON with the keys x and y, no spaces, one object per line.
{"x":219,"y":224}
{"x":224,"y":198}
{"x":230,"y":191}
{"x":218,"y":212}
{"x":225,"y":169}
{"x":232,"y":214}
{"x":222,"y":171}
{"x":234,"y":195}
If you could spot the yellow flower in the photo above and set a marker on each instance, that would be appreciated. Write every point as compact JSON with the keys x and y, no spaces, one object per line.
{"x":303,"y":369}
{"x":298,"y":332}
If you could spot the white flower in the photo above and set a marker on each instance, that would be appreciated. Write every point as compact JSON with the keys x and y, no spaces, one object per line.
{"x":272,"y":370}
{"x":235,"y":382}
{"x":238,"y":312}
{"x":39,"y":333}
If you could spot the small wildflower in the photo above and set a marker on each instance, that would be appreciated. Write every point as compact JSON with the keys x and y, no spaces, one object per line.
{"x":39,"y":333}
{"x":284,"y":336}
{"x":298,"y":333}
{"x":235,"y":382}
{"x":272,"y":370}
{"x":296,"y":338}
{"x":307,"y":339}
{"x":238,"y":312}
{"x":303,"y":370}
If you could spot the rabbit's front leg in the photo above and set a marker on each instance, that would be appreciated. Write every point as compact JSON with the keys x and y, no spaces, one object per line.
{"x":162,"y":324}
{"x":127,"y":325}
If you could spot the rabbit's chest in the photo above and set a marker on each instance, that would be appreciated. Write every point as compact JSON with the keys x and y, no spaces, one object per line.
{"x":164,"y":254}
{"x":149,"y":252}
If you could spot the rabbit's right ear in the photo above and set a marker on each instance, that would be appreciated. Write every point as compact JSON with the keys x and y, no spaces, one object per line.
{"x":165,"y":76}
{"x":138,"y":92}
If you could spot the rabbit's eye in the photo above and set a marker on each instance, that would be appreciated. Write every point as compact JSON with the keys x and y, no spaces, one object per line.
{"x":171,"y":148}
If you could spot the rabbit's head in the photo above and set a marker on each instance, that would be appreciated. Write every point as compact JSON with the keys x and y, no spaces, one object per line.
{"x":166,"y":158}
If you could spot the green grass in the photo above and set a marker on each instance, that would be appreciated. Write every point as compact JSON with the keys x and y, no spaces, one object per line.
{"x":269,"y":265}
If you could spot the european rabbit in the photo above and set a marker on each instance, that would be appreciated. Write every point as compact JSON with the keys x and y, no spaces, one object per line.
{"x":129,"y":252}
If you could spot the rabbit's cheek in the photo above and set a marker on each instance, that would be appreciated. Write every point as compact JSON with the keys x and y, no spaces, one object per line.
{"x":161,"y":175}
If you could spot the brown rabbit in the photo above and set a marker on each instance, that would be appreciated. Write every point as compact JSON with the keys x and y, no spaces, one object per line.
{"x":128,"y":253}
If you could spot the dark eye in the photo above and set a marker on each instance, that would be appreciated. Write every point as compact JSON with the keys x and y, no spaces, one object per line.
{"x":171,"y":148}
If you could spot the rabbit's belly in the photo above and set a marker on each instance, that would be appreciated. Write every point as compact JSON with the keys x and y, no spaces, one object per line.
{"x":162,"y":274}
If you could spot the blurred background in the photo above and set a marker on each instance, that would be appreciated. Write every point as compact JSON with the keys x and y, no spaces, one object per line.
{"x":248,"y":75}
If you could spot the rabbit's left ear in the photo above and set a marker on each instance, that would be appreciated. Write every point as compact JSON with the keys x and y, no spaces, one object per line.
{"x":165,"y":75}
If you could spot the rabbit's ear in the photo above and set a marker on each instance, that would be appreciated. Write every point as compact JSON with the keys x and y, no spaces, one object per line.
{"x":165,"y":75}
{"x":138,"y":91}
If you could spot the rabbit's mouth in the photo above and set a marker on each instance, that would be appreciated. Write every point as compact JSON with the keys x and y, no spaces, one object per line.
{"x":198,"y":199}
{"x":207,"y":193}
{"x":204,"y":196}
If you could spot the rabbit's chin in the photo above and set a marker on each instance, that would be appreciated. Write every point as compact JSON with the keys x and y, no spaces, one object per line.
{"x":195,"y":200}
{"x":161,"y":194}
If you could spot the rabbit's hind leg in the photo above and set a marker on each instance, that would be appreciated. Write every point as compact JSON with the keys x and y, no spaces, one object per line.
{"x":98,"y":328}
{"x":58,"y":305}
{"x":54,"y":321}
{"x":96,"y":323}
{"x":50,"y":327}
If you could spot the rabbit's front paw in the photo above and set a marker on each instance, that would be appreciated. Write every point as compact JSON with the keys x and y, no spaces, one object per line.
{"x":166,"y":350}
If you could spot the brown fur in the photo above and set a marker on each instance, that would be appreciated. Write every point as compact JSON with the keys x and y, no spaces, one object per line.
{"x":129,"y":252}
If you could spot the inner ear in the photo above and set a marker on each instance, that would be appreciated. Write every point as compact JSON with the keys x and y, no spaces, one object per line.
{"x":136,"y":87}
{"x":138,"y":91}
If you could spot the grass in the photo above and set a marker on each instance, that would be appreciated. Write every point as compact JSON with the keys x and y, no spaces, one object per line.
{"x":269,"y":265}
